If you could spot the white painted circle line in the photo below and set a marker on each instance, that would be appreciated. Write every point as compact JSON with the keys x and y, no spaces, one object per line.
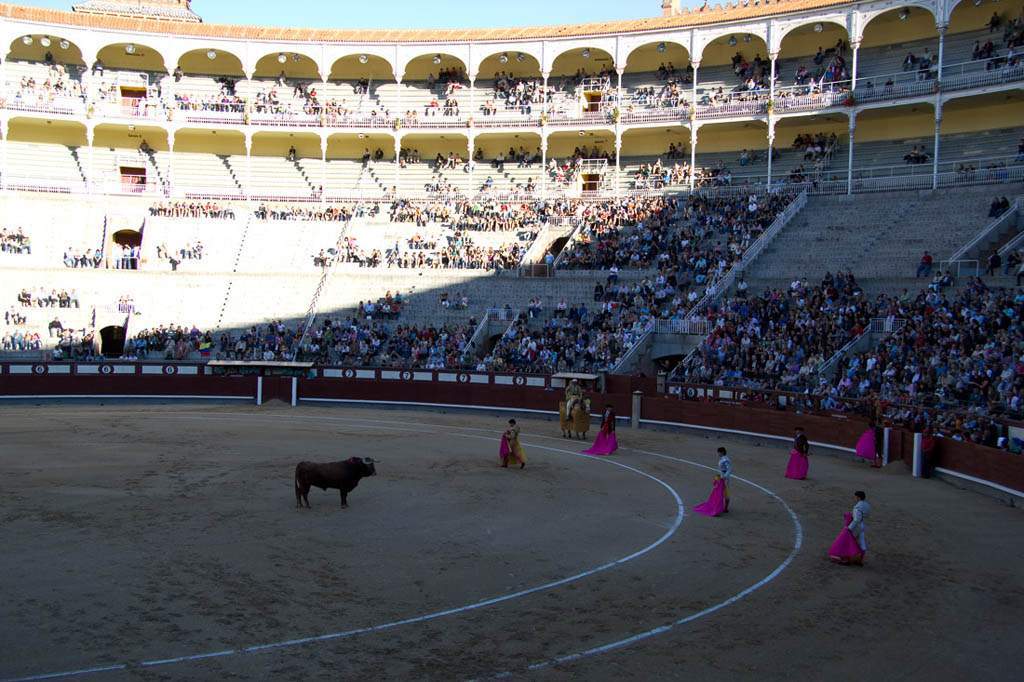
{"x":407,"y":621}
{"x":632,"y":639}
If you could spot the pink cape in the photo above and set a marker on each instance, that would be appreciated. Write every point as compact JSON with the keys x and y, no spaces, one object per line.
{"x":504,"y":450}
{"x":797,"y":467}
{"x":845,"y":547}
{"x":866,"y":445}
{"x":716,"y":503}
{"x":603,"y":444}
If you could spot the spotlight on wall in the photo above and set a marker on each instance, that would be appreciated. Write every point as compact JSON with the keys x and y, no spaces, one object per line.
{"x":64,"y":44}
{"x":818,"y":28}
{"x":437,"y":59}
{"x":977,"y":3}
{"x":503,"y":58}
{"x":44,"y":41}
{"x":363,"y":59}
{"x":520,"y":57}
{"x":661,"y":47}
{"x":211,"y":54}
{"x":732,"y":41}
{"x":582,"y":133}
{"x":747,"y":38}
{"x":27,"y":40}
{"x":129,"y":48}
{"x":282,"y":58}
{"x":904,"y":13}
{"x":586,"y":53}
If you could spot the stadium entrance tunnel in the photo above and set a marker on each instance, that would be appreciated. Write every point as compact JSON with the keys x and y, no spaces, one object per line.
{"x":120,"y":239}
{"x":112,"y":341}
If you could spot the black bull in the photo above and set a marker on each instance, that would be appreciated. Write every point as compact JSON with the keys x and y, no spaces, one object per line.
{"x":341,"y":475}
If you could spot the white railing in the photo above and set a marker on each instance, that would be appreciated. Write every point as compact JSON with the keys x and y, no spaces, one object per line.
{"x":877,"y":325}
{"x":886,"y":325}
{"x":972,"y":266}
{"x":992,"y":229}
{"x":690,"y":326}
{"x":634,"y":350}
{"x":722,"y":285}
{"x":130,"y":107}
{"x":503,"y":314}
{"x":1016,"y":241}
{"x":731,"y":109}
{"x":43,"y":104}
{"x":980,"y":73}
{"x":480,"y":331}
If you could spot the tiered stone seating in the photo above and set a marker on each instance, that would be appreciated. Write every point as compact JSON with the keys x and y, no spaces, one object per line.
{"x":205,"y":174}
{"x":278,"y":178}
{"x":880,"y":237}
{"x":56,"y":167}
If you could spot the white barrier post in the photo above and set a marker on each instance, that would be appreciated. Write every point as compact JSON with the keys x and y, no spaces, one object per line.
{"x":885,"y":446}
{"x":917,"y":455}
{"x":295,"y":390}
{"x":637,"y":397}
{"x":259,"y":391}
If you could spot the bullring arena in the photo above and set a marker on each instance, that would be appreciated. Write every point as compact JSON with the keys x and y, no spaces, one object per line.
{"x":228,"y":249}
{"x":162,"y":542}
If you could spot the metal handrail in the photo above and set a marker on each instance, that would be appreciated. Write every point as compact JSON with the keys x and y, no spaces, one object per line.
{"x":992,"y":228}
{"x":723,"y":284}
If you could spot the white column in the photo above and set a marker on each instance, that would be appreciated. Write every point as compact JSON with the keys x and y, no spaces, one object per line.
{"x":918,"y":437}
{"x":941,"y":28}
{"x":6,"y":125}
{"x":618,"y":96}
{"x":771,"y":85}
{"x":543,"y":163}
{"x":544,"y":104}
{"x":849,"y":161}
{"x":398,"y":99}
{"x":248,"y":164}
{"x":323,"y":169}
{"x":470,"y":162}
{"x":398,"y":166}
{"x":89,"y":135}
{"x":935,"y":153}
{"x":771,"y":143}
{"x":693,"y":148}
{"x":170,"y":162}
{"x":693,"y":100}
{"x":618,"y":157}
{"x":855,"y":45}
{"x":472,"y":104}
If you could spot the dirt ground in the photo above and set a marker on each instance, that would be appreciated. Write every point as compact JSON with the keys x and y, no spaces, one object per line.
{"x":163,"y":543}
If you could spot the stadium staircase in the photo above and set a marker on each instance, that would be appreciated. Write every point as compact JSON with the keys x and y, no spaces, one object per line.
{"x":880,"y":237}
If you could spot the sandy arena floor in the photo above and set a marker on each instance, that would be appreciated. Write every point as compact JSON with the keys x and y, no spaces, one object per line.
{"x":163,"y":543}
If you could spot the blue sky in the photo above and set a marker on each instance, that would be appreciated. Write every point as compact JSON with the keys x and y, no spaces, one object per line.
{"x":406,"y":13}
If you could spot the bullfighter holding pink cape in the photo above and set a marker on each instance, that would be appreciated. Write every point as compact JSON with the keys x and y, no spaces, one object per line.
{"x":798,"y":464}
{"x":718,"y":503}
{"x":510,"y":447}
{"x":867,"y":446}
{"x":850,"y":546}
{"x":605,"y":443}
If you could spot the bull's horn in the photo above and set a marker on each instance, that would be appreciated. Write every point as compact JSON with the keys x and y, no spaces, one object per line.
{"x":370,"y":459}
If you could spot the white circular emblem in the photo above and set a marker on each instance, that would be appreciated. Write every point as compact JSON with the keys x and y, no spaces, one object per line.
{"x":39,"y":369}
{"x":170,"y":369}
{"x":520,"y":380}
{"x":350,"y":374}
{"x":406,"y":375}
{"x":106,"y":369}
{"x":463,"y":378}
